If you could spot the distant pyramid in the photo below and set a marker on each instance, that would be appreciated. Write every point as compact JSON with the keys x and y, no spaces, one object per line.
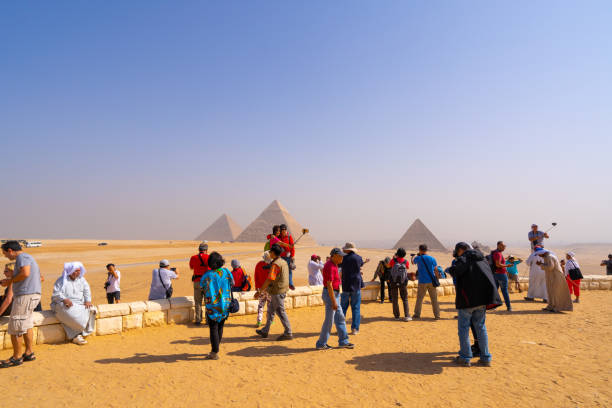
{"x":224,"y":229}
{"x":274,"y":214}
{"x":419,"y":234}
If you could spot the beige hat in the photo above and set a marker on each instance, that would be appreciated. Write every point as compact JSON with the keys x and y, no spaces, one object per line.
{"x":349,"y":246}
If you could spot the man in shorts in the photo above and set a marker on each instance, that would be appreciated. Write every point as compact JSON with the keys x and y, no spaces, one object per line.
{"x":25,"y":279}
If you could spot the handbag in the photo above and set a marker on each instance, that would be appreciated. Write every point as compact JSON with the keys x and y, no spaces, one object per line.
{"x":234,"y":306}
{"x":169,"y":290}
{"x":575,"y":272}
{"x":434,"y":279}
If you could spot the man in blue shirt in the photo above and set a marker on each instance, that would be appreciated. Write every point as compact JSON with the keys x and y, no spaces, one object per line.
{"x":351,"y":284}
{"x":426,"y":268}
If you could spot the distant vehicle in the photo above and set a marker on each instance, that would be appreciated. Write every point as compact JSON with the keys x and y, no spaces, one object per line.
{"x":102,"y":243}
{"x":33,"y":244}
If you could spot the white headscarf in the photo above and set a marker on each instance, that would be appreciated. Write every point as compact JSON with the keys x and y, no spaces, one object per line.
{"x":571,"y":263}
{"x":69,"y":268}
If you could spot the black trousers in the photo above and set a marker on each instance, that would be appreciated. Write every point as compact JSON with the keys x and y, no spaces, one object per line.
{"x":216,"y":333}
{"x":394,"y":288}
{"x":382,"y":290}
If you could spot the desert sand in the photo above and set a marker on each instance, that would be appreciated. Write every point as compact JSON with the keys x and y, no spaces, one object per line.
{"x":539,"y":359}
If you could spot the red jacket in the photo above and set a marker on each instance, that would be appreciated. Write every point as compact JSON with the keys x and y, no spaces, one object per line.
{"x":199,"y":267}
{"x":238,"y":275}
{"x":288,"y":239}
{"x":261,"y":274}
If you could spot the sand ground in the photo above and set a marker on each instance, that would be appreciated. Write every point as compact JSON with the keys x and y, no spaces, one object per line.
{"x":539,"y":360}
{"x":136,"y":259}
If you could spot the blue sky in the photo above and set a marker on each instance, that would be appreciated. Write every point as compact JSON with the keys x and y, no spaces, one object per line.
{"x":148,"y":119}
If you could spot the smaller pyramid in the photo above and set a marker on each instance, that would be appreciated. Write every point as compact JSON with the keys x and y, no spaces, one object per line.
{"x":274,"y":214}
{"x":419,"y":234}
{"x":224,"y":229}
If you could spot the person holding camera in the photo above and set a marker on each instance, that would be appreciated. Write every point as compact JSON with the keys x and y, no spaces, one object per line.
{"x":475,"y":292}
{"x":161,"y":281}
{"x":113,"y":278}
{"x":315,"y":266}
{"x":426,"y":268}
{"x":199,"y":265}
{"x":608,"y":264}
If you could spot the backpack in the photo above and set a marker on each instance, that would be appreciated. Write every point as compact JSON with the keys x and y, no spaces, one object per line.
{"x":267,"y":246}
{"x":491,"y":261}
{"x":399,"y":273}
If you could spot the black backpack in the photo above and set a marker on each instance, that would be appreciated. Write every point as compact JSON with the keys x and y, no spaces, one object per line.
{"x":491,"y":261}
{"x":399,"y":272}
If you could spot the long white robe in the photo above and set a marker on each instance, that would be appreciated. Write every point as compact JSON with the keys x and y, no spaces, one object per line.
{"x":537,"y":279}
{"x":76,"y":319}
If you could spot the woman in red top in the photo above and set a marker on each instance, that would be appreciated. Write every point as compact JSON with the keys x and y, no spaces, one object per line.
{"x":261,"y":274}
{"x":239,"y":277}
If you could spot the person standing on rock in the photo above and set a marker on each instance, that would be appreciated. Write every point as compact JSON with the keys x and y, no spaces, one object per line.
{"x":277,"y":286}
{"x":536,"y":238}
{"x":199,"y":265}
{"x":288,"y":253}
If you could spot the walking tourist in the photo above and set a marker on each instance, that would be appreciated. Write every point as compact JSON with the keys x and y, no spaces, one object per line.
{"x":261,"y":274}
{"x":500,"y":273}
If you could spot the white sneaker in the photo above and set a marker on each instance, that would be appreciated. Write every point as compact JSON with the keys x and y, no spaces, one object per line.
{"x":79,"y":340}
{"x":407,"y":319}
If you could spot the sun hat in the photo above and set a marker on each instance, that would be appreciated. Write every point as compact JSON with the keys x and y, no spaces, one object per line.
{"x":350,"y":246}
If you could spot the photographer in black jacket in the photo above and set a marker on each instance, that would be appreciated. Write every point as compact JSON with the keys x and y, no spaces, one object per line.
{"x":475,"y":293}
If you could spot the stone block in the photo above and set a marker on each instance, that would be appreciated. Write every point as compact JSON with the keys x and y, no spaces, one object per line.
{"x":449,"y":290}
{"x":605,"y":285}
{"x":242,"y":309}
{"x":132,"y":321}
{"x":137,"y":307}
{"x":584,"y":285}
{"x":251,"y":306}
{"x":157,"y":305}
{"x":177,"y":316}
{"x":412,"y":292}
{"x":300,"y":301}
{"x":117,"y":309}
{"x":440,"y":291}
{"x":594,"y":285}
{"x":369,"y":294}
{"x":51,"y":334}
{"x":413,"y":284}
{"x":182,"y":302}
{"x":316,"y":289}
{"x":109,"y":325}
{"x":524,"y":286}
{"x":192,"y":314}
{"x":44,"y":318}
{"x":157,"y":318}
{"x":244,"y":296}
{"x":300,"y":291}
{"x":288,"y":302}
{"x":315,"y":300}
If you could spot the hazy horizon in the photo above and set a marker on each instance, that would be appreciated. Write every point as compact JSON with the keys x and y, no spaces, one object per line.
{"x":145,"y":120}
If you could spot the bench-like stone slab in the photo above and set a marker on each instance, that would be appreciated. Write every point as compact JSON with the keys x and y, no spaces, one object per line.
{"x":157,"y":305}
{"x":178,"y":315}
{"x":251,"y":306}
{"x":132,"y":321}
{"x":117,"y":309}
{"x":182,"y":302}
{"x":156,"y":318}
{"x":315,"y":300}
{"x":44,"y":318}
{"x":109,"y":325}
{"x":137,"y":307}
{"x":51,"y":334}
{"x":300,"y":301}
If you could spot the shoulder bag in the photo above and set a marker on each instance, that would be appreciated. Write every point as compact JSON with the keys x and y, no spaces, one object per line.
{"x":169,"y":290}
{"x":575,"y":273}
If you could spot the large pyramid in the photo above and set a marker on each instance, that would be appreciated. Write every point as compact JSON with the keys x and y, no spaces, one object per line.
{"x":419,"y":234}
{"x":274,"y":214}
{"x":224,"y":229}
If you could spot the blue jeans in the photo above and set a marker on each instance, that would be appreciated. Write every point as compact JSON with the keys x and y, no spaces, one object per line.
{"x":476,"y":316}
{"x":354,"y":298}
{"x":332,"y":316}
{"x":501,"y":279}
{"x":288,"y":260}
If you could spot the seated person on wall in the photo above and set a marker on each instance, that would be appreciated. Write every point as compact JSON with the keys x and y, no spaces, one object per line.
{"x":71,"y":302}
{"x":6,"y":300}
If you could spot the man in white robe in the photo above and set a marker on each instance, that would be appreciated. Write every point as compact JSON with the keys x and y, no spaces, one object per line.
{"x":71,"y":302}
{"x":537,"y":280}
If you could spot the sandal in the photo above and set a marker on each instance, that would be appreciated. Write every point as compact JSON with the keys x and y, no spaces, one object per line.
{"x":11,"y":362}
{"x":28,"y":357}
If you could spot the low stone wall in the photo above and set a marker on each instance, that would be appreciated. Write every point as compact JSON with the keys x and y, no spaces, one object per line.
{"x":117,"y":318}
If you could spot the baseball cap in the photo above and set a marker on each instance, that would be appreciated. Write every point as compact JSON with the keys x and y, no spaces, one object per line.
{"x":164,"y":262}
{"x":203,"y":246}
{"x":336,"y":251}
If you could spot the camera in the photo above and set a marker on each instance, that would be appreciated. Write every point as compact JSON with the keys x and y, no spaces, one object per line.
{"x":173,"y":269}
{"x":412,"y":255}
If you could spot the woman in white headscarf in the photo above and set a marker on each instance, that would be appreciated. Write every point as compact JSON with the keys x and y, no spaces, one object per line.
{"x":559,"y":298}
{"x":572,"y":275}
{"x":71,"y":302}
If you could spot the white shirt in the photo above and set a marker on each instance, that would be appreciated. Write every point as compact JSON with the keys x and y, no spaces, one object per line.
{"x":157,"y":288}
{"x":315,"y":277}
{"x":114,"y":282}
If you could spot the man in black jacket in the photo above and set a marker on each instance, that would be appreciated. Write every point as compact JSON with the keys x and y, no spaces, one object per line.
{"x":475,"y":293}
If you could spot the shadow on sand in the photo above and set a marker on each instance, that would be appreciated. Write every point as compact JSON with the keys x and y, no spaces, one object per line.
{"x":145,"y":358}
{"x":269,"y":351}
{"x":412,"y":363}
